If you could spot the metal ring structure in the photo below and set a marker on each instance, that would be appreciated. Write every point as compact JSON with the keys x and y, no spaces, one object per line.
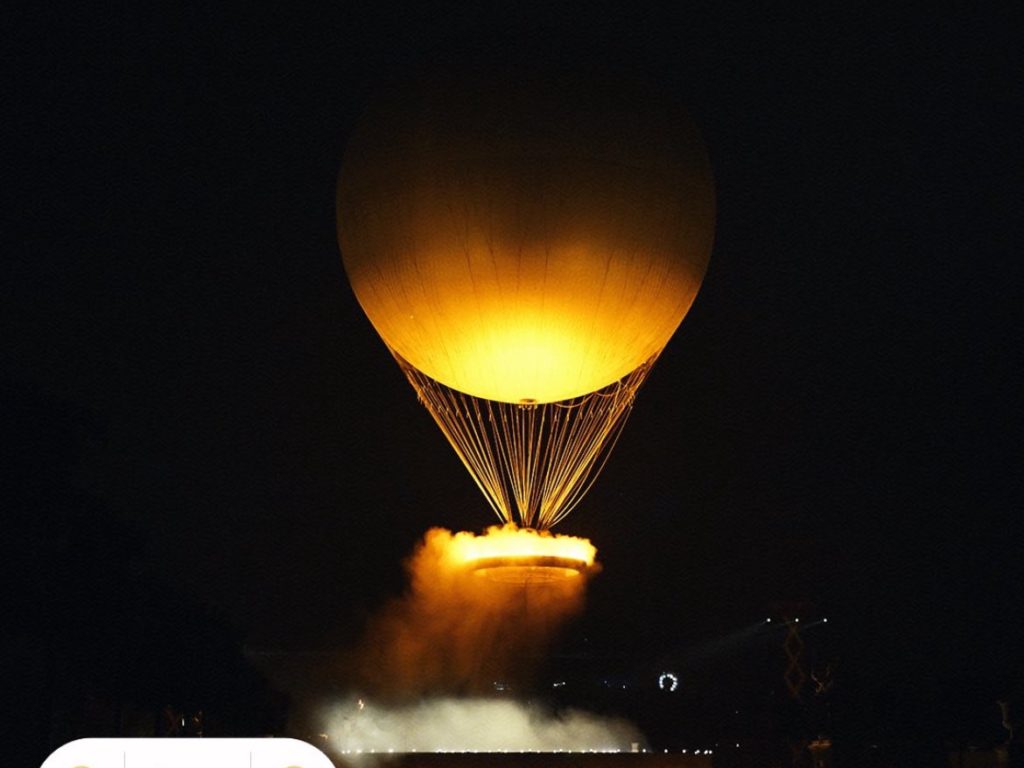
{"x":528,"y":569}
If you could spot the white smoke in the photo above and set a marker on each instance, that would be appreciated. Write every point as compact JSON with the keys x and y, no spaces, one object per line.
{"x":357,"y":731}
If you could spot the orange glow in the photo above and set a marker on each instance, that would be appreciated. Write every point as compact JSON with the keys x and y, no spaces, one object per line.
{"x":533,"y":263}
{"x":511,"y":554}
{"x":461,"y":626}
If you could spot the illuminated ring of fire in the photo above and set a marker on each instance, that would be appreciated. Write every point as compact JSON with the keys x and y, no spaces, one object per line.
{"x":522,"y":555}
{"x":668,"y":682}
{"x":521,"y":569}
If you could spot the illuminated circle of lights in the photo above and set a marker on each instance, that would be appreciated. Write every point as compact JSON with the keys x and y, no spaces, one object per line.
{"x":528,"y":569}
{"x":523,"y":556}
{"x":667,"y":681}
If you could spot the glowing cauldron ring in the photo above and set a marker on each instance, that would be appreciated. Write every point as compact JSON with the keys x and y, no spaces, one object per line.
{"x":528,"y":569}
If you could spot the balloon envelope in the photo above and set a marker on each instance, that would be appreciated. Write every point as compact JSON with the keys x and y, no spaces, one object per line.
{"x":525,"y":239}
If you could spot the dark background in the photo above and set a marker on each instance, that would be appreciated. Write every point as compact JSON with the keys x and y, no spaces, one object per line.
{"x":198,"y":415}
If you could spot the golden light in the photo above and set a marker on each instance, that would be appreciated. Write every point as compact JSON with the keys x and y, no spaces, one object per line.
{"x":525,"y":241}
{"x":518,"y":555}
{"x":478,"y":607}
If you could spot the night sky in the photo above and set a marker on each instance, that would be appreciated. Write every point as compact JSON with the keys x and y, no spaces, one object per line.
{"x":837,"y":420}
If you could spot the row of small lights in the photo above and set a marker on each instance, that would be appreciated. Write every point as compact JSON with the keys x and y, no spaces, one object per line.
{"x":667,"y":681}
{"x":520,"y":751}
{"x":795,"y":621}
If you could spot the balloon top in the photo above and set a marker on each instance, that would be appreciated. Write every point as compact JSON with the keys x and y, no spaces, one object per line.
{"x":527,"y":238}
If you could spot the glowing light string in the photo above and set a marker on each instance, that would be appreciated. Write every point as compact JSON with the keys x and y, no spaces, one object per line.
{"x":533,"y":463}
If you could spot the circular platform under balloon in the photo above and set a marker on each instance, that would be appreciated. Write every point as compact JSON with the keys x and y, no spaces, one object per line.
{"x":523,"y":556}
{"x":528,"y":569}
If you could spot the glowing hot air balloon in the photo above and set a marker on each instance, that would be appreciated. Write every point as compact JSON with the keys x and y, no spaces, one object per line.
{"x":526,"y":244}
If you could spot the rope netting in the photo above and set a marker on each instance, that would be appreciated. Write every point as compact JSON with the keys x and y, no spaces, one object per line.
{"x":533,"y":462}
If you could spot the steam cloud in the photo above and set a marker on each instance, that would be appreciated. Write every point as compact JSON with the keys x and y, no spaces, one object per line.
{"x":428,"y":658}
{"x":473,"y":725}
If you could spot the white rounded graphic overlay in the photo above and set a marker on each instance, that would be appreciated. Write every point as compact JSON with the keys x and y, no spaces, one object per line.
{"x":187,"y":753}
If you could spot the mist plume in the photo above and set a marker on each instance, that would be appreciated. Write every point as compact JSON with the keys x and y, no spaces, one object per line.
{"x":358,"y":733}
{"x":455,"y":632}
